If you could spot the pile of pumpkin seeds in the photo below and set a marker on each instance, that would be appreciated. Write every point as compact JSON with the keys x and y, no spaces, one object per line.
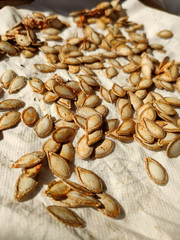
{"x":145,"y":115}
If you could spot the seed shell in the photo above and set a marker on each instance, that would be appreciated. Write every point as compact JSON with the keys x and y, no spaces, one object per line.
{"x":24,"y":186}
{"x":173,"y":148}
{"x":7,"y":77}
{"x":11,"y":104}
{"x":82,"y":149}
{"x":165,"y":34}
{"x":57,"y":189}
{"x":94,"y":137}
{"x":44,"y":126}
{"x":154,"y":129}
{"x":83,"y":199}
{"x":65,"y":216}
{"x":93,"y":123}
{"x":64,"y":113}
{"x":51,"y":146}
{"x":62,"y":134}
{"x":10,"y":119}
{"x":29,"y":116}
{"x":64,"y":91}
{"x":89,"y":179}
{"x":104,"y":148}
{"x":29,"y":160}
{"x":67,"y":151}
{"x":156,"y":171}
{"x":59,"y":166}
{"x":110,"y":207}
{"x":17,"y":84}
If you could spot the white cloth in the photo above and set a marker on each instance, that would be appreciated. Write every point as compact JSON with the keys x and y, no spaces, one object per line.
{"x":148,"y":211}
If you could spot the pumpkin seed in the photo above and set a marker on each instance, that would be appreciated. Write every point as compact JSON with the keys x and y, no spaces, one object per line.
{"x":109,"y":207}
{"x":114,"y":63}
{"x":143,"y":134}
{"x":85,"y":87}
{"x":170,"y":127}
{"x":7,"y":78}
{"x":62,"y":134}
{"x":50,"y":31}
{"x":172,"y":101}
{"x":168,"y":138}
{"x":173,"y":148}
{"x":89,"y":179}
{"x":37,"y":85}
{"x":50,"y":97}
{"x":126,"y":112}
{"x":67,"y":151}
{"x":24,"y":186}
{"x":111,"y":72}
{"x":86,"y":111}
{"x":74,"y":85}
{"x":93,"y":123}
{"x":44,"y":126}
{"x":135,"y":100}
{"x":103,"y":110}
{"x":117,"y":90}
{"x":95,"y":66}
{"x":61,"y":123}
{"x":29,"y":116}
{"x":32,"y":171}
{"x":82,"y":149}
{"x":58,"y":166}
{"x":29,"y":160}
{"x":92,"y":101}
{"x":113,"y":134}
{"x":64,"y":91}
{"x":94,"y":137}
{"x":164,"y":107}
{"x":8,"y":48}
{"x":44,"y":68}
{"x":141,"y":93}
{"x":87,"y":71}
{"x":83,"y":199}
{"x":91,"y":81}
{"x":77,"y":187}
{"x":17,"y":84}
{"x":154,"y":129}
{"x":151,"y":146}
{"x":10,"y":119}
{"x":11,"y":104}
{"x":104,"y":93}
{"x":126,"y":128}
{"x":57,"y":189}
{"x":79,"y":120}
{"x":64,"y":113}
{"x":156,"y":171}
{"x":104,"y":148}
{"x":65,"y":216}
{"x":165,"y":34}
{"x":51,"y":146}
{"x":123,"y":50}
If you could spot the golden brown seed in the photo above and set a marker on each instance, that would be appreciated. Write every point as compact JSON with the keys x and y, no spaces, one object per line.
{"x":29,"y":116}
{"x":82,"y":149}
{"x":59,"y":166}
{"x":156,"y":171}
{"x":165,"y":34}
{"x":44,"y":126}
{"x":104,"y":148}
{"x":62,"y":134}
{"x":89,"y":179}
{"x":65,"y":215}
{"x":10,"y":119}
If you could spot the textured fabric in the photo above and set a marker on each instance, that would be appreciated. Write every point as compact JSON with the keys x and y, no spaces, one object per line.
{"x":148,"y":211}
